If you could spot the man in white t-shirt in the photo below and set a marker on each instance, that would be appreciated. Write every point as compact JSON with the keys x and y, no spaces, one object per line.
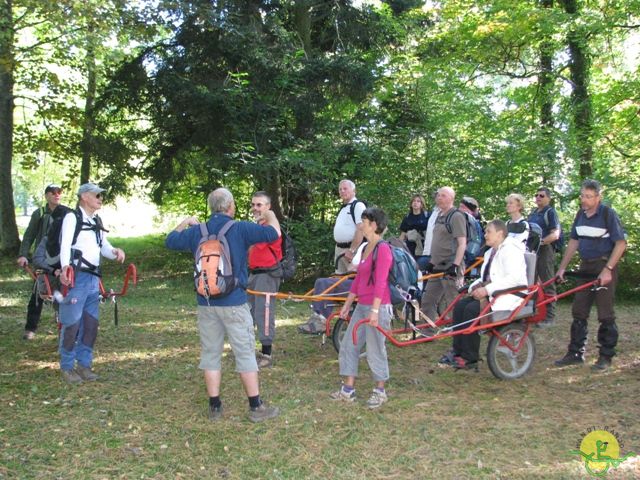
{"x":347,"y":231}
{"x":81,"y":246}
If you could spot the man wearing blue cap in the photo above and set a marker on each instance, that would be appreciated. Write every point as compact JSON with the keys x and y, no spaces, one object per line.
{"x":38,"y":226}
{"x":79,"y":310}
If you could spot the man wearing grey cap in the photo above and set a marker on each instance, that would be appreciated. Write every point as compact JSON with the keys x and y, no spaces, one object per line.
{"x":79,"y":312}
{"x":38,"y":226}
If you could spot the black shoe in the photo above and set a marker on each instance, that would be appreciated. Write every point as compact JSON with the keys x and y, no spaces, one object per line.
{"x":261,"y":413}
{"x":460,"y":363}
{"x":602,"y":364}
{"x":549,"y":322}
{"x":569,"y":359}
{"x":447,"y":358}
{"x":215,"y":413}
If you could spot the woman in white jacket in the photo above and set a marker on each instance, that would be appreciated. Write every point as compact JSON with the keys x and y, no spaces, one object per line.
{"x":503,"y":268}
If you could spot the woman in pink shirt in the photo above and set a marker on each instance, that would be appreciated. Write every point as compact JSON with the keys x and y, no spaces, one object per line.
{"x":371,"y":287}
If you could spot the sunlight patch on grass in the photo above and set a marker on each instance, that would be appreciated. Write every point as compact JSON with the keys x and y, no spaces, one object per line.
{"x":11,"y":302}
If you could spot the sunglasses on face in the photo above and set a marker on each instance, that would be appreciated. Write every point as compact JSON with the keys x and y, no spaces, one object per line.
{"x":56,"y":191}
{"x":100,"y":196}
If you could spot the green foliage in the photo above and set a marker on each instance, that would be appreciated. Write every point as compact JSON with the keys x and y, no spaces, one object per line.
{"x":291,"y":96}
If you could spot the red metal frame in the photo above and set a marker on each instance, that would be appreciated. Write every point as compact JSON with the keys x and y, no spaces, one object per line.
{"x":476,"y":325}
{"x":326,"y":295}
{"x":131,"y":276}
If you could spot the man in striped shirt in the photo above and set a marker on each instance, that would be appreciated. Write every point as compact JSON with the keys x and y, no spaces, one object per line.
{"x":597,"y":235}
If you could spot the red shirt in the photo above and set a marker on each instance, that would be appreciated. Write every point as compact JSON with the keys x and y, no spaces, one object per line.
{"x":265,"y":255}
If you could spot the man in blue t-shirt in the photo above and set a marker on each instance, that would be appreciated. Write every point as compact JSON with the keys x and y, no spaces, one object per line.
{"x":547,"y":218}
{"x":598,"y":237}
{"x":228,"y":315}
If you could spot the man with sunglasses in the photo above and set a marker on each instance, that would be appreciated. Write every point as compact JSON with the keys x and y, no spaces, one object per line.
{"x":265,"y":275}
{"x":80,"y":251}
{"x":38,"y":226}
{"x":547,"y":218}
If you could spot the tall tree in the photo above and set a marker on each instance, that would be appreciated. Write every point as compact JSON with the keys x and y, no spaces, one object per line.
{"x":9,"y":239}
{"x":546,"y":80}
{"x":579,"y":66}
{"x":256,"y":90}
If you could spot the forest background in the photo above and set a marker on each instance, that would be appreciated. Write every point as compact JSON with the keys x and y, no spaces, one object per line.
{"x":168,"y":99}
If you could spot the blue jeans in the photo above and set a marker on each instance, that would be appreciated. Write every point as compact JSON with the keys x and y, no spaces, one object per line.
{"x":79,"y":319}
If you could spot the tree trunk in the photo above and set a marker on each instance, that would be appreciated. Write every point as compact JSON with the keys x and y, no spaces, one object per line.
{"x":545,"y":87}
{"x":9,"y":238}
{"x":88,"y":127}
{"x":303,"y":23}
{"x":580,"y":97}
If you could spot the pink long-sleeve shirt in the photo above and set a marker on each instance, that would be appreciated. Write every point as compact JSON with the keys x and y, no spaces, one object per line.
{"x":380,"y":286}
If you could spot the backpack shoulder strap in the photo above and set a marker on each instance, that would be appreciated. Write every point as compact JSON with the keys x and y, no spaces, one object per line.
{"x":204,"y":230}
{"x":605,"y":213}
{"x":225,"y":228}
{"x":78,"y":214}
{"x":546,"y":215}
{"x":447,"y":219}
{"x":374,"y":257}
{"x":352,"y":210}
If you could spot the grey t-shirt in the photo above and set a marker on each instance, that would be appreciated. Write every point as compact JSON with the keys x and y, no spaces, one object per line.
{"x":443,"y":248}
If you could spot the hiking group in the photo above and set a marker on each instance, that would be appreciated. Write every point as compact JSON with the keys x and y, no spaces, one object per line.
{"x":233,"y":256}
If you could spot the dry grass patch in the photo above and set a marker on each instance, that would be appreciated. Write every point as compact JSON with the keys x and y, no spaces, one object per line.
{"x":146,"y":417}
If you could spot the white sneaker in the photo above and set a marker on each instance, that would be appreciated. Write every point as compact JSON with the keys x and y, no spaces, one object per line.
{"x":344,"y":396}
{"x":377,"y":398}
{"x":315,"y":325}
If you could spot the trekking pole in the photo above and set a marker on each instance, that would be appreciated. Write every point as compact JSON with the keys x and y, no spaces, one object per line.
{"x":131,"y":275}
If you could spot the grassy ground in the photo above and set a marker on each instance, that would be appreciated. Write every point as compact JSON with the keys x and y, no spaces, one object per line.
{"x":146,"y":417}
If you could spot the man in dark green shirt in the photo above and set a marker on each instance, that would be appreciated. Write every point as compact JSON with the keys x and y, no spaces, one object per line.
{"x":38,"y":226}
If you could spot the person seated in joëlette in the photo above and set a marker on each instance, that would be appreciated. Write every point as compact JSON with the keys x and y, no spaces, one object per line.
{"x":503,"y":268}
{"x":316,"y":323}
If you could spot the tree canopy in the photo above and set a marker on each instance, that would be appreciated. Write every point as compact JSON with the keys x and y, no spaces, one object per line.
{"x":289,"y":96}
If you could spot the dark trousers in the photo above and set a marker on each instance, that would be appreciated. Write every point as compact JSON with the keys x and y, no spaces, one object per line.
{"x":34,"y":310}
{"x":466,"y":346}
{"x":545,"y":268}
{"x":582,"y":303}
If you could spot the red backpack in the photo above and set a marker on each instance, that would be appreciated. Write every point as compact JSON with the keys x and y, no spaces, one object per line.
{"x":213,"y":271}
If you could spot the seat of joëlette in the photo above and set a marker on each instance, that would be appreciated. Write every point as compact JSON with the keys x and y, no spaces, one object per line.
{"x":530,"y":307}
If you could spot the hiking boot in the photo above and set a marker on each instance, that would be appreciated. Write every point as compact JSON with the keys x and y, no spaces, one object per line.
{"x":264,"y":360}
{"x":377,"y":398}
{"x":28,"y":335}
{"x":71,"y":376}
{"x":344,"y":396}
{"x":603,"y":363}
{"x":316,"y":324}
{"x":546,"y":323}
{"x":86,"y":374}
{"x":262,"y":413}
{"x":447,"y":358}
{"x":460,"y":363}
{"x":215,"y":413}
{"x":569,"y":359}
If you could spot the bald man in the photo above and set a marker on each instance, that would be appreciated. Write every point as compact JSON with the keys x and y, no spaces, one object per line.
{"x":447,"y":253}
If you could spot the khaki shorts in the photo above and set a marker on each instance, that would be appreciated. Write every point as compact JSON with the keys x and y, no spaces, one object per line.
{"x":236,"y":323}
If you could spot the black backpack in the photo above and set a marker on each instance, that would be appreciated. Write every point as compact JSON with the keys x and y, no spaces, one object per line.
{"x":54,"y":235}
{"x":475,"y":236}
{"x":535,"y":233}
{"x":289,"y":259}
{"x":352,"y":208}
{"x":559,"y":244}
